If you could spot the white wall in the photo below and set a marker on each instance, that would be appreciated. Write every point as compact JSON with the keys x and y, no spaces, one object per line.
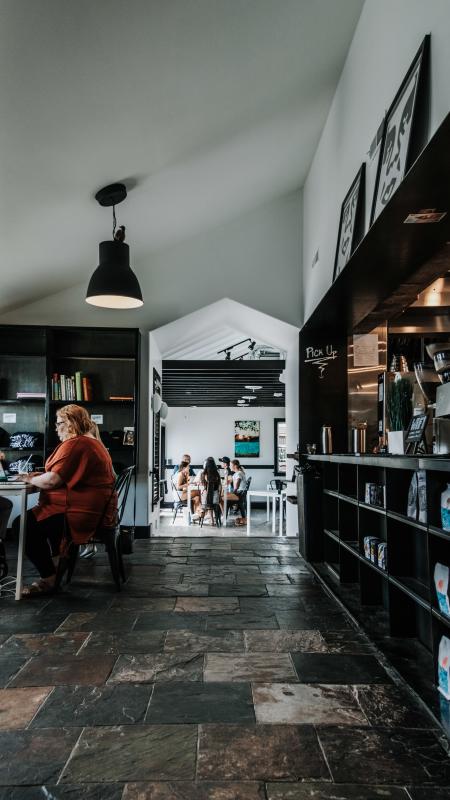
{"x":386,"y":39}
{"x":204,"y":432}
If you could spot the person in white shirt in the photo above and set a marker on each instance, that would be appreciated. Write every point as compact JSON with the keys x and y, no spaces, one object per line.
{"x":239,"y":487}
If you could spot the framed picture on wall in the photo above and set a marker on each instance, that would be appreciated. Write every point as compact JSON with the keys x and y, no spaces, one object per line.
{"x":246,"y":438}
{"x":350,"y":222}
{"x":399,"y":128}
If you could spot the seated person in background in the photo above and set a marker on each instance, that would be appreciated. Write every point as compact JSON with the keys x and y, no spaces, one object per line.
{"x":225,"y":465}
{"x":77,"y":487}
{"x":210,"y":487}
{"x":239,"y":486}
{"x":5,"y":504}
{"x":186,"y":458}
{"x":182,"y":480}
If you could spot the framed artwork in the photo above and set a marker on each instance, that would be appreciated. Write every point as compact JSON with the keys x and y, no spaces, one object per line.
{"x":246,"y":438}
{"x":350,"y":222}
{"x":399,"y":125}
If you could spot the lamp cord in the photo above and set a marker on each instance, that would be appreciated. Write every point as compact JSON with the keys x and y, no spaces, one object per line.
{"x":114,"y":222}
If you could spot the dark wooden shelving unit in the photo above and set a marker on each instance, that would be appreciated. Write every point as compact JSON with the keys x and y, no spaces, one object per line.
{"x":403,"y":596}
{"x":30,"y":355}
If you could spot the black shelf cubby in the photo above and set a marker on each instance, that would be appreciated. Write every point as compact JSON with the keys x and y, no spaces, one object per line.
{"x":330,"y":512}
{"x":376,"y":477}
{"x":397,"y":488}
{"x":348,"y":481}
{"x":330,"y":477}
{"x":348,"y":521}
{"x":408,"y":558}
{"x":437,"y":481}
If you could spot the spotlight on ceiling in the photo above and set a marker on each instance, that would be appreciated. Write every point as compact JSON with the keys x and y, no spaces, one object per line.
{"x":113,"y":284}
{"x":253,"y":388}
{"x":278,"y":394}
{"x":249,"y":396}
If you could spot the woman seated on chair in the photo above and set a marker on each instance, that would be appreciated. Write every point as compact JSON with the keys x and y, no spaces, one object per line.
{"x":182,"y":479}
{"x":77,"y":489}
{"x":239,"y":487}
{"x":210,"y":488}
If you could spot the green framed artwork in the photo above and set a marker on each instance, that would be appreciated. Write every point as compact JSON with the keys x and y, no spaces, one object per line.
{"x":246,"y":438}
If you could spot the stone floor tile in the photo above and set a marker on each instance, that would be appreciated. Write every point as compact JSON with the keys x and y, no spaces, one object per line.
{"x":18,"y":706}
{"x":218,"y":641}
{"x":259,"y":752}
{"x":30,"y":757}
{"x":284,"y":641}
{"x":117,"y":643}
{"x":255,"y":667}
{"x":181,"y":790}
{"x":237,"y":590}
{"x":160,"y":667}
{"x":430,"y":793}
{"x":347,"y":642}
{"x":392,"y":707}
{"x":27,"y":623}
{"x":290,"y":703}
{"x":56,"y":670}
{"x":326,"y":668}
{"x":169,"y":621}
{"x":207,"y":605}
{"x":329,"y":791}
{"x":133,"y":753}
{"x":304,"y":620}
{"x":48,"y":792}
{"x":32,"y":644}
{"x":398,"y":756}
{"x":9,"y":667}
{"x":146,"y":604}
{"x":201,"y":702}
{"x":242,"y":621}
{"x":121,"y":704}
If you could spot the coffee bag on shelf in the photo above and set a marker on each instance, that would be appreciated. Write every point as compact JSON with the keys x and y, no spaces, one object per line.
{"x":441,"y":574}
{"x":444,"y":667}
{"x":382,"y":555}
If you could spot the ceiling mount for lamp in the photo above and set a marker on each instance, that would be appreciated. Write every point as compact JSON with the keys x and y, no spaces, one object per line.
{"x":114,"y":284}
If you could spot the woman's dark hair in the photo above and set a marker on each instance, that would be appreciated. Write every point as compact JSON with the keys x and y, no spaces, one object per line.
{"x":210,"y":477}
{"x":183,"y":465}
{"x":238,"y":464}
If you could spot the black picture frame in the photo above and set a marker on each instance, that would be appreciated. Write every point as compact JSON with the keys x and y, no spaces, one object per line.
{"x":351,"y":222}
{"x":403,"y":130}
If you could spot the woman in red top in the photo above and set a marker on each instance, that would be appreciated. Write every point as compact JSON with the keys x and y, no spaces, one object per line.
{"x":77,"y":486}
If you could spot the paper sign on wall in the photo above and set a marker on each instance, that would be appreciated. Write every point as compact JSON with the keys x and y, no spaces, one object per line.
{"x":98,"y":418}
{"x":365,"y":350}
{"x":9,"y":417}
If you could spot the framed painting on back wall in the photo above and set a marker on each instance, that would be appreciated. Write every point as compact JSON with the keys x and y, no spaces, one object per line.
{"x":350,"y":223}
{"x":400,"y":126}
{"x":246,"y":438}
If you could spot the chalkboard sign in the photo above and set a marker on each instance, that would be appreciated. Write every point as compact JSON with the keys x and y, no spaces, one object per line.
{"x":416,"y":428}
{"x":415,"y":435}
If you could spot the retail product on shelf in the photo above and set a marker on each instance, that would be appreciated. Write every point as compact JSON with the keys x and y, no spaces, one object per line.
{"x":374,"y":494}
{"x":382,"y":555}
{"x":441,"y":574}
{"x":417,"y":497}
{"x":445,"y":508}
{"x":371,"y":548}
{"x":77,"y":387}
{"x":444,"y":667}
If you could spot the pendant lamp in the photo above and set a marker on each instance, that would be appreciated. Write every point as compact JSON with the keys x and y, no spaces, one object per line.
{"x":114,"y":284}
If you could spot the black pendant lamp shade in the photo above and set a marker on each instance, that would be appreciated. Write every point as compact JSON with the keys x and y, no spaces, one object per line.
{"x":114,"y":284}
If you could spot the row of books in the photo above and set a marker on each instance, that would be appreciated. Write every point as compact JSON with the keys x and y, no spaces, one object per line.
{"x":71,"y":387}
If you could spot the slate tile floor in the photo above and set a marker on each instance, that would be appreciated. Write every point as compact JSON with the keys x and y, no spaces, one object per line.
{"x":222,"y":671}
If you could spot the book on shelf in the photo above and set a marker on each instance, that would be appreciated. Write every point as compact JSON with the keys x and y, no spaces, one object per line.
{"x":71,"y":388}
{"x":30,"y":395}
{"x":121,"y":397}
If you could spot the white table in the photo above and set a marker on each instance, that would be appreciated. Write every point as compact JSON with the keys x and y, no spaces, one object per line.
{"x":9,"y":490}
{"x":267,"y":493}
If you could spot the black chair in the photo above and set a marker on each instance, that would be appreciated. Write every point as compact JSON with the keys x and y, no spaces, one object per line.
{"x":241,"y":502}
{"x":215,"y":511}
{"x":110,"y":537}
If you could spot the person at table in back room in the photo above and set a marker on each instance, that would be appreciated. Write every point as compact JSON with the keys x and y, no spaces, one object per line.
{"x":187,"y":458}
{"x":77,"y":487}
{"x":224,"y":463}
{"x":182,"y":479}
{"x":239,"y":487}
{"x":210,"y":488}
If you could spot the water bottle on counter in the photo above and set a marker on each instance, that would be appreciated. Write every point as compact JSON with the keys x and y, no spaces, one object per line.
{"x":326,"y":439}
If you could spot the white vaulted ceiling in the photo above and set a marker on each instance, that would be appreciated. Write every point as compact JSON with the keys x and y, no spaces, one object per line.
{"x":203,"y":108}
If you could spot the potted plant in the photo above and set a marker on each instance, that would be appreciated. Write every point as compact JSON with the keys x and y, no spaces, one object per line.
{"x":399,"y":406}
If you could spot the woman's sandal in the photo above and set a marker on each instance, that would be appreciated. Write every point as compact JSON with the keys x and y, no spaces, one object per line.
{"x":38,"y":589}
